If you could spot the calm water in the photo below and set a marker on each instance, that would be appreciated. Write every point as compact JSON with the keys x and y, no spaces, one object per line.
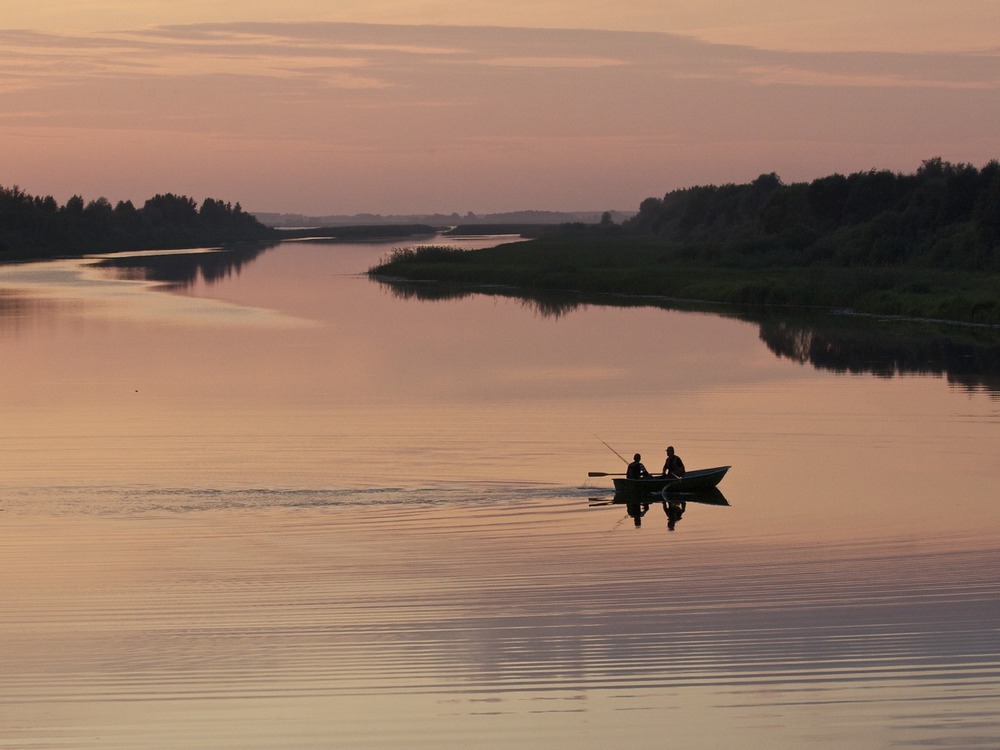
{"x":264,"y":502}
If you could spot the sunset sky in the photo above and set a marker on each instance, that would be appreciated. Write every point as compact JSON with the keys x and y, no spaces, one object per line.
{"x":406,"y":106}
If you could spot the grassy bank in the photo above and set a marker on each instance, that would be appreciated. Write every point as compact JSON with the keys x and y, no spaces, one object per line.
{"x":634,"y":265}
{"x":923,"y":245}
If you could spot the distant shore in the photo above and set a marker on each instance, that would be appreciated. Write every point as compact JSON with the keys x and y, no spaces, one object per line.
{"x":641,"y":266}
{"x":924,"y":245}
{"x":38,"y":228}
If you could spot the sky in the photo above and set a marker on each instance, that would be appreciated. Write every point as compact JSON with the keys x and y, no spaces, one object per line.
{"x":423,"y":106}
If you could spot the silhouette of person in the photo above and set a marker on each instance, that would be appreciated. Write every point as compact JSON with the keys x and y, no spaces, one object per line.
{"x":673,"y":466}
{"x":674,"y":509}
{"x":635,"y":469}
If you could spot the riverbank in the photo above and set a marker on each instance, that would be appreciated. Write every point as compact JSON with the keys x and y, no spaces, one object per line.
{"x":638,"y":265}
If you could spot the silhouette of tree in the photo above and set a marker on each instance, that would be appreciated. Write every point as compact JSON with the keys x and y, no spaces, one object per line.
{"x":39,"y":227}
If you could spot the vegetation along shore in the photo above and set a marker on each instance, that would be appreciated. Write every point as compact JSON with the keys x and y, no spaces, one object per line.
{"x":923,"y":245}
{"x":36,"y":228}
{"x":33,"y":228}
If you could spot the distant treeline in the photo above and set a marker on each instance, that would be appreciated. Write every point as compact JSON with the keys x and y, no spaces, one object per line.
{"x":505,"y":219}
{"x":36,"y":227}
{"x":945,"y":216}
{"x":925,"y":245}
{"x":358,"y":233}
{"x":484,"y":230}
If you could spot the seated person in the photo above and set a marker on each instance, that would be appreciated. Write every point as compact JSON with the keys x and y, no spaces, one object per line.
{"x":673,"y":467}
{"x":636,"y":470}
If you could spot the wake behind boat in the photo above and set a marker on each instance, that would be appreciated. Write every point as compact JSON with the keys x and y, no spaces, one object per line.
{"x":692,"y":481}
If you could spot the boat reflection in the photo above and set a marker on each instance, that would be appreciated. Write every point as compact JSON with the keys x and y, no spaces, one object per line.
{"x":674,"y":505}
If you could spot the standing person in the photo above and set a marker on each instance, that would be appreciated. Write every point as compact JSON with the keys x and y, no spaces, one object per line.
{"x":673,"y":467}
{"x":636,"y":470}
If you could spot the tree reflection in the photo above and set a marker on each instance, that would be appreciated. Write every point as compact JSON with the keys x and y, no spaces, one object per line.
{"x":968,"y":356}
{"x":183,"y":269}
{"x":19,"y":311}
{"x":554,"y":304}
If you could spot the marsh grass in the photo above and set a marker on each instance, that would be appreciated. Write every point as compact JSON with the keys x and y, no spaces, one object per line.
{"x":651,"y":266}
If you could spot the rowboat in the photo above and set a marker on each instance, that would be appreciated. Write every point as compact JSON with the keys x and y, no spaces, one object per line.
{"x":692,"y":481}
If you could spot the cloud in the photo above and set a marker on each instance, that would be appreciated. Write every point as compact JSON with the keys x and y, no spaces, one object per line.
{"x":552,"y":62}
{"x":430,"y":115}
{"x":791,"y":76}
{"x":371,"y":56}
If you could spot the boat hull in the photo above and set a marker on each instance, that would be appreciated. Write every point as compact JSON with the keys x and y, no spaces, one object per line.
{"x":692,"y":481}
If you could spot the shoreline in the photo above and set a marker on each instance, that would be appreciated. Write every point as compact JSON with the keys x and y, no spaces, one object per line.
{"x":659,"y":300}
{"x":640,"y":267}
{"x":414,"y":270}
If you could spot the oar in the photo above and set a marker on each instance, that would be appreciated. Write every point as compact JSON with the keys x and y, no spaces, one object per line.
{"x":605,"y":474}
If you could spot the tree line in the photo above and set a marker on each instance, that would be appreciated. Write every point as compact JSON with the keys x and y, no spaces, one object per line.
{"x":945,"y":216}
{"x":38,"y":227}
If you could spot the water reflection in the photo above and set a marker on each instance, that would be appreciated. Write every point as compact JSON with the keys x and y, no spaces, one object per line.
{"x":15,"y":305}
{"x":968,"y":356}
{"x":551,"y":304}
{"x":213,"y":527}
{"x":674,"y":505}
{"x":183,"y":269}
{"x":20,"y":311}
{"x":673,"y":509}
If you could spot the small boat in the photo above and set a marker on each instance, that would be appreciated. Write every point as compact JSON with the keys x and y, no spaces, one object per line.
{"x":692,"y":481}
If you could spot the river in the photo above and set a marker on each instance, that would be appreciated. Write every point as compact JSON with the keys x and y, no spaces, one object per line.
{"x":255,"y":499}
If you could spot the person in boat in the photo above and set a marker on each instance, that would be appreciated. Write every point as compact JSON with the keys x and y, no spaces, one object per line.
{"x":635,"y":469}
{"x":673,"y":467}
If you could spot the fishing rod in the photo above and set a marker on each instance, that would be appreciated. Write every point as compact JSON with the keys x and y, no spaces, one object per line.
{"x":624,"y":460}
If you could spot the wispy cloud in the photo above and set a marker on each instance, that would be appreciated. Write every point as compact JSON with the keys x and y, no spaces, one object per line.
{"x":552,"y":62}
{"x":791,"y":76}
{"x":336,"y":99}
{"x":385,"y":56}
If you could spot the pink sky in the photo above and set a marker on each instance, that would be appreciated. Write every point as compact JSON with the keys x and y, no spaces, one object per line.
{"x":421,"y":106}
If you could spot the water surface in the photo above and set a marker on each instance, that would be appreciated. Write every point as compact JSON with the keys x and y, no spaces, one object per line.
{"x":257,"y":500}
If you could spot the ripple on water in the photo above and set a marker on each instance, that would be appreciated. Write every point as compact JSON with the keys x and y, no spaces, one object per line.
{"x":446,"y":615}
